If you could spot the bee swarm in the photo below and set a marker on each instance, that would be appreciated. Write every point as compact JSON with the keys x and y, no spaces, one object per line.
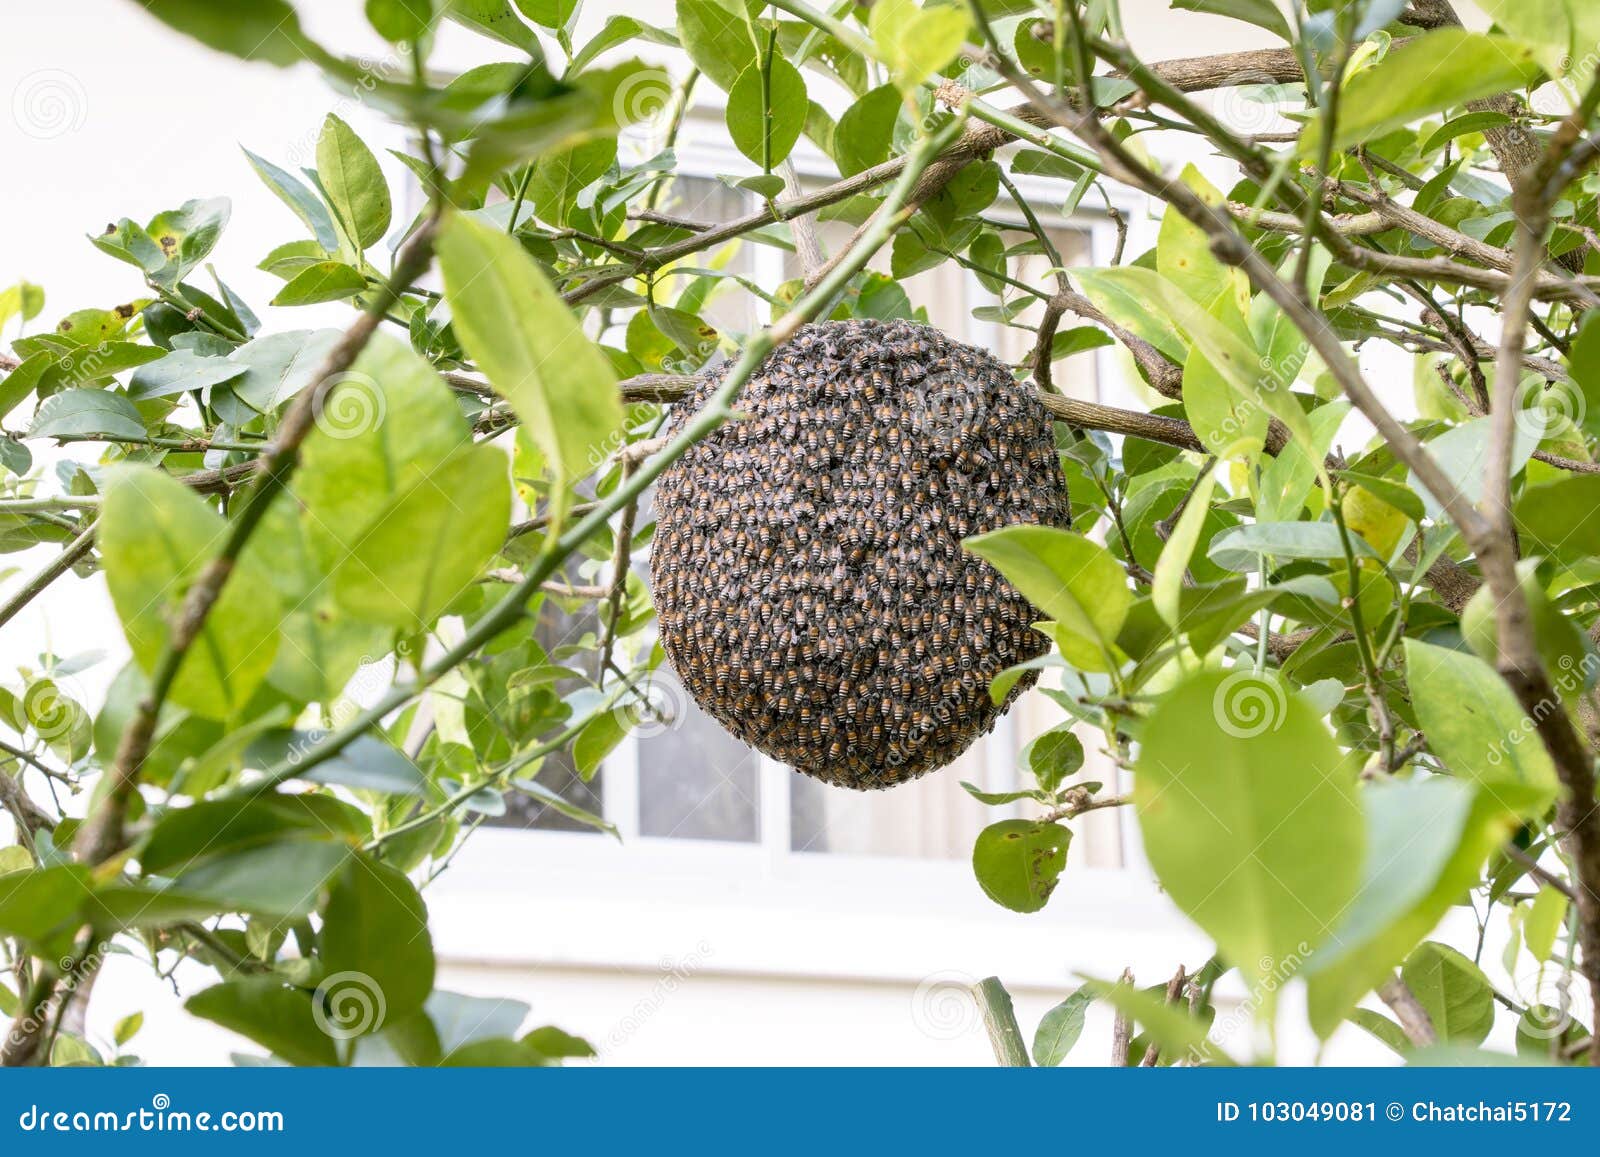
{"x":807,"y":566}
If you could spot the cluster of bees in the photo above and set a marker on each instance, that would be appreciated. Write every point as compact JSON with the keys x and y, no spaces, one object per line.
{"x":807,"y":566}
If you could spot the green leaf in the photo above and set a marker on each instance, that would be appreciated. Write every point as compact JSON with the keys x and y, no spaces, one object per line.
{"x":179,"y":372}
{"x":42,"y":905}
{"x":618,"y":30}
{"x":913,"y":42}
{"x":1060,"y":1029}
{"x":283,"y":879}
{"x":1169,"y":1026}
{"x":720,"y":40}
{"x":428,"y":545}
{"x":1454,"y":992}
{"x":156,"y":537}
{"x":1431,"y":73}
{"x":266,"y":30}
{"x":767,"y":112}
{"x":1427,"y":841}
{"x":559,"y":176}
{"x":1053,"y":757}
{"x":1562,"y":518}
{"x":1250,"y":817}
{"x":367,"y":764}
{"x":271,"y":1014}
{"x":185,"y":236}
{"x":529,"y":345}
{"x":294,"y":193}
{"x":1171,"y":568}
{"x":865,"y":132}
{"x":13,"y":858}
{"x":1239,"y":548}
{"x":1261,"y":13}
{"x":494,"y":18}
{"x":1545,"y":919}
{"x":185,"y":836}
{"x":553,"y":1042}
{"x":127,"y":1028}
{"x":1545,"y":24}
{"x":324,"y":281}
{"x":354,"y":183}
{"x":1019,"y":862}
{"x":1069,"y":578}
{"x":1475,"y":724}
{"x":1184,"y":257}
{"x":1463,"y":453}
{"x":87,"y":411}
{"x":400,"y":20}
{"x":375,"y":928}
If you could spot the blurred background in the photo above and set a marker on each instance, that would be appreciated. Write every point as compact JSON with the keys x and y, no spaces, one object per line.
{"x":748,"y":915}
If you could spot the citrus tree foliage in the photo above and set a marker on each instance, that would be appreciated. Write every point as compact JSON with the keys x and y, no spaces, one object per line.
{"x":1352,"y":681}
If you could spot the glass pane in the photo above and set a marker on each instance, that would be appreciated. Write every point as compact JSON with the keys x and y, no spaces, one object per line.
{"x":928,"y":818}
{"x":696,"y":782}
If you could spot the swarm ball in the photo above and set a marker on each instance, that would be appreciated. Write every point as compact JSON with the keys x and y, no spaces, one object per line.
{"x":807,"y":566}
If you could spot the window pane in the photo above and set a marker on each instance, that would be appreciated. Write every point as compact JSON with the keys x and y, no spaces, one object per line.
{"x":928,"y":818}
{"x":696,"y":782}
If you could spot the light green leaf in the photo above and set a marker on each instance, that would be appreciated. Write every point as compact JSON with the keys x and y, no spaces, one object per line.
{"x":354,"y":183}
{"x":532,"y":349}
{"x":559,"y":176}
{"x":1431,"y":73}
{"x":87,"y":411}
{"x":293,"y":192}
{"x":1454,"y":992}
{"x":1250,"y":818}
{"x":1167,"y":589}
{"x":1061,"y":1028}
{"x":266,"y":30}
{"x":1074,"y":581}
{"x":324,"y":281}
{"x":156,"y":537}
{"x":915,"y":43}
{"x":496,"y":19}
{"x":1427,"y":841}
{"x":1545,"y":24}
{"x":720,"y":40}
{"x":1475,"y":724}
{"x":1261,"y":13}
